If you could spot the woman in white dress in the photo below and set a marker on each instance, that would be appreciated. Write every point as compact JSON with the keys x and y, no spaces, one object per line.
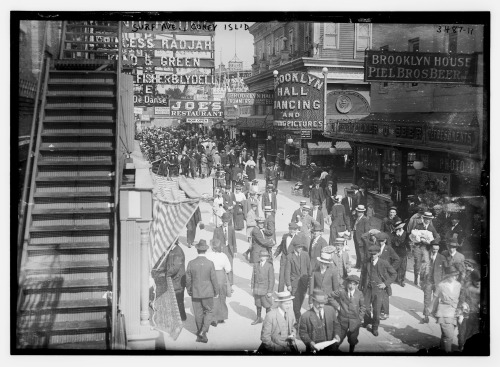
{"x":222,"y":269}
{"x":217,"y":208}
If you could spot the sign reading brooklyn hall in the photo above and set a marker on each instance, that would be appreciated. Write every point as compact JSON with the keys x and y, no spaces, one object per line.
{"x":425,"y":67}
{"x":298,"y":101}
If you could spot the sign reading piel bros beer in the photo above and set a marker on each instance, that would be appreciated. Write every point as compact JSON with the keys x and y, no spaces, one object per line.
{"x":298,"y":101}
{"x":425,"y":67}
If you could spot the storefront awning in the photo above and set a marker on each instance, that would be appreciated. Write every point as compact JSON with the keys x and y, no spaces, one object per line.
{"x":254,"y":122}
{"x":448,"y":118}
{"x":323,"y":148}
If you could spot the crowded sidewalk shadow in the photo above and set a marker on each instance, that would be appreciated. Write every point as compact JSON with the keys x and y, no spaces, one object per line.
{"x":408,"y":305}
{"x":243,"y":284}
{"x":413,"y":337}
{"x":189,"y":324}
{"x":243,"y":310}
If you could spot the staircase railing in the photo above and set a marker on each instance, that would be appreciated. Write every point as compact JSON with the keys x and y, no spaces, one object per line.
{"x":118,"y":174}
{"x":29,"y":176}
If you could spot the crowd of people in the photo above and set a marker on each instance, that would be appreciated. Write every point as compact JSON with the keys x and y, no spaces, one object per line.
{"x":319,"y":269}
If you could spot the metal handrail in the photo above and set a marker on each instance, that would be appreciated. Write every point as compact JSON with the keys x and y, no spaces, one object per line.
{"x":28,"y":172}
{"x":114,"y":303}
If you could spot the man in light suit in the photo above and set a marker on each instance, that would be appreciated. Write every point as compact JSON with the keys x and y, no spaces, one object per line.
{"x":202,"y":286}
{"x":269,"y":198}
{"x":432,"y":276}
{"x":319,"y":324}
{"x":340,"y":260}
{"x":297,"y":270}
{"x":317,"y":214}
{"x":227,"y":237}
{"x":286,"y":247}
{"x":278,"y":331}
{"x":351,"y":312}
{"x":317,"y":244}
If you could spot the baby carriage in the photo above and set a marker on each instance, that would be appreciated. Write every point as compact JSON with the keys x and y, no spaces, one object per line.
{"x":297,"y":189}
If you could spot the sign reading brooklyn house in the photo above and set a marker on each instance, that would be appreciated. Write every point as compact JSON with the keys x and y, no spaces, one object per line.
{"x":181,"y":108}
{"x":424,"y":67}
{"x":249,"y":99}
{"x":298,"y":101}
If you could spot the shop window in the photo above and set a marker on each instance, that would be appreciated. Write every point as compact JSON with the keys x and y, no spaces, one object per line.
{"x":331,"y":36}
{"x":363,"y":36}
{"x":269,"y":48}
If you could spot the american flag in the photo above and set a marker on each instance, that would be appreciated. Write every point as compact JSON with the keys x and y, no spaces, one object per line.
{"x":171,"y":212}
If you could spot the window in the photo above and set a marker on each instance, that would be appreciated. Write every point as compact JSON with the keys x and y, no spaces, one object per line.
{"x":453,"y":42}
{"x":331,"y":35}
{"x":290,"y":40}
{"x":269,"y":48}
{"x":363,"y":36}
{"x":277,"y":46}
{"x":414,"y":46}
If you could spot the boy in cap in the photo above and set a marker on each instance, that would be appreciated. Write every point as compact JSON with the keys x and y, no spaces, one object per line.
{"x":453,"y":257}
{"x":262,"y":284}
{"x":351,"y":312}
{"x":376,"y":276}
{"x":319,"y":324}
{"x":286,"y":247}
{"x":297,"y":270}
{"x":202,"y":286}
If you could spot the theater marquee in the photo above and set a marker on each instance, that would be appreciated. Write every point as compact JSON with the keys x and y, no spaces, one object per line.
{"x":425,"y":67}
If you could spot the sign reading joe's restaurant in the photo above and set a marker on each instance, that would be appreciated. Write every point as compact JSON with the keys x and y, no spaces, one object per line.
{"x":298,"y":101}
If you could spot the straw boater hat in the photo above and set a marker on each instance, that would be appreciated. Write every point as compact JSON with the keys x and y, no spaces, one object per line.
{"x":319,"y":296}
{"x":268,"y":208}
{"x":340,"y":241}
{"x":202,"y":245}
{"x":325,"y":258}
{"x":427,"y":215}
{"x":399,"y":225}
{"x":306,"y":207}
{"x":264,"y":253}
{"x":270,"y":186}
{"x":260,"y":220}
{"x":226,"y":217}
{"x":337,"y":198}
{"x":283,"y":296}
{"x":360,"y":208}
{"x":373,"y":231}
{"x":374,"y":249}
{"x":352,"y":278}
{"x":328,"y":250}
{"x":303,"y":202}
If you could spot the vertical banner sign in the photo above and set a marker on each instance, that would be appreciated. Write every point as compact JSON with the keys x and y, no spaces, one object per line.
{"x":298,"y":101}
{"x":425,"y":67}
{"x":303,"y":156}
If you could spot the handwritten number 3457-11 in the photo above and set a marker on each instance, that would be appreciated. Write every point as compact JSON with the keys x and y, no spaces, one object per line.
{"x":454,"y":29}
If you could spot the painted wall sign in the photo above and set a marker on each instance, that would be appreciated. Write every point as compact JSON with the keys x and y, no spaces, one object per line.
{"x":149,"y":59}
{"x":168,"y":27}
{"x":306,"y":134}
{"x":259,"y":98}
{"x":162,"y":111}
{"x":298,"y":101}
{"x":427,"y":67}
{"x":186,"y":108}
{"x":149,"y":43}
{"x":153,"y":78}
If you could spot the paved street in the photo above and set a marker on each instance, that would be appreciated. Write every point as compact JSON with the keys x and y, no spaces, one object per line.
{"x":401,"y":333}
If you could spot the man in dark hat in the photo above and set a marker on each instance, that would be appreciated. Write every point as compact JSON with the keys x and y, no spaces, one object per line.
{"x":420,"y":251}
{"x":351,"y":312}
{"x":271,"y":174}
{"x":297,"y":270}
{"x":262,"y":284}
{"x":329,"y":193}
{"x":340,"y":259}
{"x":269,"y":198}
{"x":317,"y":213}
{"x":269,"y":223}
{"x":350,"y":208}
{"x":389,"y":221}
{"x":202,"y":286}
{"x":453,"y":257}
{"x":192,"y":225}
{"x":360,"y":226}
{"x":399,"y":243}
{"x":317,"y":244}
{"x":432,"y":277}
{"x":319,"y":324}
{"x":455,"y":229}
{"x":387,"y":253}
{"x":227,"y":237}
{"x":286,"y":247}
{"x":259,"y":241}
{"x":298,"y":212}
{"x":376,"y":276}
{"x":445,"y":303}
{"x":317,"y":194}
{"x":324,"y":277}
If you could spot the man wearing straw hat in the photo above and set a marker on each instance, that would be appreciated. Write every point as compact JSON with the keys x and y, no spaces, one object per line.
{"x":227,"y":237}
{"x":351,"y":312}
{"x":340,"y":259}
{"x":319,"y":324}
{"x":317,"y":244}
{"x":360,"y":226}
{"x":420,"y":252}
{"x":324,"y":278}
{"x":202,"y":286}
{"x":278,"y":331}
{"x":286,"y":247}
{"x":262,"y":284}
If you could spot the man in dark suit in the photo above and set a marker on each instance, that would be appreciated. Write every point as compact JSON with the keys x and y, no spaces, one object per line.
{"x":297,"y":270}
{"x":227,"y":237}
{"x":174,"y":267}
{"x":349,"y":206}
{"x":388,"y":254}
{"x":319,"y":324}
{"x":376,"y":276}
{"x":317,"y":214}
{"x":455,"y":229}
{"x":361,"y":198}
{"x":262,"y":284}
{"x":340,"y":259}
{"x":317,"y":244}
{"x":317,"y":193}
{"x":286,"y":247}
{"x":420,"y":251}
{"x":269,"y":198}
{"x":324,"y":277}
{"x":269,"y":223}
{"x":431,"y":277}
{"x":202,"y":286}
{"x":191,"y":226}
{"x":352,"y":311}
{"x":360,"y":226}
{"x":329,"y":191}
{"x":298,"y":212}
{"x":260,"y":241}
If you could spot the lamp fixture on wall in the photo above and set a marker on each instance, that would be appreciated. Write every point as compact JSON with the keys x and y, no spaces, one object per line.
{"x":243,"y":133}
{"x":289,"y":141}
{"x":254,"y":135}
{"x":418,"y":165}
{"x":269,"y":137}
{"x":333,"y":149}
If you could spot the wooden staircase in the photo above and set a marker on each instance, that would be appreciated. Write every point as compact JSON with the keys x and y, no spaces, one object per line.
{"x":68,"y":263}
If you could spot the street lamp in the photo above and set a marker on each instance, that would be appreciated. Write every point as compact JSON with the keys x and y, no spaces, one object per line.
{"x":418,"y":165}
{"x":289,"y":141}
{"x":254,"y":135}
{"x":275,"y":73}
{"x":243,"y":133}
{"x":269,"y":137}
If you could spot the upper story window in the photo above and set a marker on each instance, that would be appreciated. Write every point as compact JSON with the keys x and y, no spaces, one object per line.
{"x":363,"y":36}
{"x":277,"y":48}
{"x":269,"y":50}
{"x":331,"y":35}
{"x":453,"y":42}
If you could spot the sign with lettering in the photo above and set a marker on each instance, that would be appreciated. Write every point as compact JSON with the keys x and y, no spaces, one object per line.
{"x":197,"y":121}
{"x":175,"y":79}
{"x":186,"y":108}
{"x":162,"y":111}
{"x":306,"y":134}
{"x":167,"y":44}
{"x":462,"y":138}
{"x":303,"y":156}
{"x":259,"y":98}
{"x":455,"y":164}
{"x":148,"y":95}
{"x":299,"y":101}
{"x":186,"y":27}
{"x":426,"y":67}
{"x":150,"y":59}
